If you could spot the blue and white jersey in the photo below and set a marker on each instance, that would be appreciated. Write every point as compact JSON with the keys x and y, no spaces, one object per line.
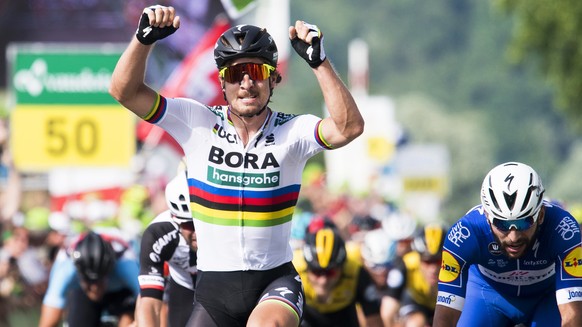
{"x":63,"y":276}
{"x":553,"y":263}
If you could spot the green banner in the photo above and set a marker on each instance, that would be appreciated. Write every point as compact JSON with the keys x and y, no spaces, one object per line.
{"x":62,"y":73}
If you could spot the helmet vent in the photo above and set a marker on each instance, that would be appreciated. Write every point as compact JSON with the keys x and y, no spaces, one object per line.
{"x":510,"y":199}
{"x":225,"y":42}
{"x":527,"y":197}
{"x":494,"y":199}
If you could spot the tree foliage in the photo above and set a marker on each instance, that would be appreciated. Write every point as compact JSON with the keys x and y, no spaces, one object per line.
{"x":548,"y":32}
{"x":448,"y":60}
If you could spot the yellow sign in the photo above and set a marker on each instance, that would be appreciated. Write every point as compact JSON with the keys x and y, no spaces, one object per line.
{"x":380,"y":149}
{"x":48,"y":136}
{"x":431,"y":184}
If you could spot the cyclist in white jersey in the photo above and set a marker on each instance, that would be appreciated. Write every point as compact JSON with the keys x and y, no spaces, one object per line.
{"x":244,"y":163}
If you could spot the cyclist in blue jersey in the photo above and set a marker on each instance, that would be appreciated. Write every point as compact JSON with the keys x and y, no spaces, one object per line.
{"x":96,"y":275}
{"x":244,"y":163}
{"x":514,"y":259}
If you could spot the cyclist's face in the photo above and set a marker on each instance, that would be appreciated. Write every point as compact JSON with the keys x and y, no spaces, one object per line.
{"x":430,"y":270}
{"x":516,"y":243}
{"x":190,"y":236}
{"x":322,"y":282}
{"x":379,"y":274}
{"x":248,"y":96}
{"x":95,"y":291}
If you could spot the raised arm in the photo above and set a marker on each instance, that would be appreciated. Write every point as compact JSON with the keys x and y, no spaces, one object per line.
{"x":127,"y":82}
{"x":345,"y":122}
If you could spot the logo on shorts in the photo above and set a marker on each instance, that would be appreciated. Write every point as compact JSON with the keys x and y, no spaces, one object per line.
{"x":573,"y":262}
{"x":450,"y":268}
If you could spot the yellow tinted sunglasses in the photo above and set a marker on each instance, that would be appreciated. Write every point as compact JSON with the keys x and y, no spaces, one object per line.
{"x":256,"y":72}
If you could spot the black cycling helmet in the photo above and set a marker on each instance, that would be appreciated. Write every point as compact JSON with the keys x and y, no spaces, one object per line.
{"x":94,"y":257}
{"x":245,"y":41}
{"x":324,"y":250}
{"x":429,"y":240}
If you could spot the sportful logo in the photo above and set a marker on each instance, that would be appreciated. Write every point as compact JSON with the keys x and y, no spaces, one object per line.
{"x":37,"y":80}
{"x":270,"y":140}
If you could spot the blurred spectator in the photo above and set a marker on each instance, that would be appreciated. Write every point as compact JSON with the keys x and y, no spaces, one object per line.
{"x":23,"y":276}
{"x":10,"y":180}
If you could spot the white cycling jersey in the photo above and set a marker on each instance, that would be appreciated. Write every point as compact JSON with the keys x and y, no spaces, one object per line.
{"x":242,"y":198}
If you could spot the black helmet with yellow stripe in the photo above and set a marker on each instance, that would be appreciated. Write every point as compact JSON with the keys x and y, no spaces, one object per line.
{"x":324,"y":249}
{"x":429,"y":241}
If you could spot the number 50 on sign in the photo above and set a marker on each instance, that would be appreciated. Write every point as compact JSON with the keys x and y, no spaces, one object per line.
{"x":45,"y":136}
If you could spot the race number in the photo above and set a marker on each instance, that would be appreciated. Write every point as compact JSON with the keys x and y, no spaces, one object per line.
{"x":45,"y":137}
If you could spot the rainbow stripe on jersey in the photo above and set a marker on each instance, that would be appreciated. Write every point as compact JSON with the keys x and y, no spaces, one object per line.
{"x":228,"y":207}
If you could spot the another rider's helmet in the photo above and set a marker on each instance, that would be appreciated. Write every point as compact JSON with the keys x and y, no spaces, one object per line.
{"x":429,"y":240}
{"x":399,"y":225}
{"x":378,"y":249}
{"x":324,"y":250}
{"x":245,"y":41}
{"x":512,"y":191}
{"x":93,"y":257}
{"x":178,"y":198}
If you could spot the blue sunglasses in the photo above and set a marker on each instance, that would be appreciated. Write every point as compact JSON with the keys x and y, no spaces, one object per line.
{"x":518,"y":224}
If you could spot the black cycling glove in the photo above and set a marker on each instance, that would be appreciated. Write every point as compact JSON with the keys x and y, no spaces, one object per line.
{"x":147,"y":34}
{"x":312,"y":53}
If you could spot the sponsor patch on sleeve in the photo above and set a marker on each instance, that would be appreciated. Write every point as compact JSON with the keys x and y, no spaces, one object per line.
{"x":450,"y":300}
{"x":572,"y":263}
{"x":570,"y":294}
{"x":450,"y":268}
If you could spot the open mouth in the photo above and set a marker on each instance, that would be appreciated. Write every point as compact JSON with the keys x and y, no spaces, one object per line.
{"x":514,"y":248}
